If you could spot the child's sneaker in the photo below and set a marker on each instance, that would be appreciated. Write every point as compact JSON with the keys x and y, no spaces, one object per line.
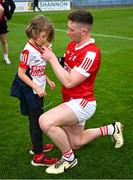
{"x":46,"y":148}
{"x":42,"y":160}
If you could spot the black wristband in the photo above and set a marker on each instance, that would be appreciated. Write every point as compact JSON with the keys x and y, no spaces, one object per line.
{"x":61,"y":60}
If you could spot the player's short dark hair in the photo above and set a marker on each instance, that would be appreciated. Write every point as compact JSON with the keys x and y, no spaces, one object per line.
{"x":37,"y":25}
{"x":81,"y":16}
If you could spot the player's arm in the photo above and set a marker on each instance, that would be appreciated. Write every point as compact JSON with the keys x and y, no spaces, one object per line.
{"x":6,"y":10}
{"x":9,"y":7}
{"x":1,"y":11}
{"x":22,"y":75}
{"x":12,"y":6}
{"x":68,"y":79}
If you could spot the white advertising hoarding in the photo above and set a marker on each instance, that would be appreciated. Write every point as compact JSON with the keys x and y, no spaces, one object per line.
{"x":55,"y":5}
{"x":23,"y":6}
{"x":44,"y":5}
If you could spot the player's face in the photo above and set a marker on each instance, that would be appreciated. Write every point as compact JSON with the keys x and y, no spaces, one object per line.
{"x":42,"y":39}
{"x":74,"y":31}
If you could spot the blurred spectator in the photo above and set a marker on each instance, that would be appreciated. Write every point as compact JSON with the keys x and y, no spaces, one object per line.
{"x":35,"y":5}
{"x":9,"y":7}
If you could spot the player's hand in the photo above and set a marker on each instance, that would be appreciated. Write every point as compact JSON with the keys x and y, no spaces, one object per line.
{"x":49,"y":46}
{"x":48,"y":55}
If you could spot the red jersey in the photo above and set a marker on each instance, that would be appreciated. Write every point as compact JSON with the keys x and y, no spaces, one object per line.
{"x":86,"y":60}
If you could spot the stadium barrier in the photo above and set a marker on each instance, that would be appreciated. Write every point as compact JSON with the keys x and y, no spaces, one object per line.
{"x":98,"y":3}
{"x":27,"y":6}
{"x":55,"y":5}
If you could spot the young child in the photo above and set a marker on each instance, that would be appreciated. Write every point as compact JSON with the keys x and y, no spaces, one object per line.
{"x":32,"y":72}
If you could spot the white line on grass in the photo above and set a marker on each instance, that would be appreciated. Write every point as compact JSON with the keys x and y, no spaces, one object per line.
{"x":104,"y":35}
{"x":111,"y":36}
{"x":99,"y":35}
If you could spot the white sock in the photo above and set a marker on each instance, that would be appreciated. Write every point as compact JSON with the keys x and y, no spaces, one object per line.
{"x":6,"y":56}
{"x":69,"y":155}
{"x":107,"y":130}
{"x":110,"y":129}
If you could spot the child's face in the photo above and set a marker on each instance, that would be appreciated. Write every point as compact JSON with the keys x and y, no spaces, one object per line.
{"x":41,"y":39}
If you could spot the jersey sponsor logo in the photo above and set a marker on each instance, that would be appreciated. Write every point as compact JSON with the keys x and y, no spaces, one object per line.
{"x":73,"y":59}
{"x":68,"y":52}
{"x":37,"y":60}
{"x":37,"y":70}
{"x":72,"y":56}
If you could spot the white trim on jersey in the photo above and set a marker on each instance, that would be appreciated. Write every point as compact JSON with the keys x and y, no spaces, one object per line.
{"x":86,"y":63}
{"x":24,"y":57}
{"x":81,"y":71}
{"x":87,"y":43}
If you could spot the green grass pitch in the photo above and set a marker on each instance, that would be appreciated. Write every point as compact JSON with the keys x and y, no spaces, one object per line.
{"x":113,"y":32}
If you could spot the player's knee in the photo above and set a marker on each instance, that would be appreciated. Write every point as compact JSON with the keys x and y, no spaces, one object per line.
{"x":76,"y":145}
{"x":44,"y":123}
{"x":4,"y":42}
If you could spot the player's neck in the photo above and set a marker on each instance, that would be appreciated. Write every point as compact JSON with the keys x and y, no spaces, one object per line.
{"x":83,"y":41}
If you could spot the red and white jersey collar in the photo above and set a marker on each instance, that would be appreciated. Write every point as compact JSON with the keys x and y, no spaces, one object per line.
{"x":37,"y":48}
{"x":91,"y":41}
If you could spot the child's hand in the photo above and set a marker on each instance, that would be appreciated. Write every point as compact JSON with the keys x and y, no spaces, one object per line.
{"x":40,"y":91}
{"x":51,"y":84}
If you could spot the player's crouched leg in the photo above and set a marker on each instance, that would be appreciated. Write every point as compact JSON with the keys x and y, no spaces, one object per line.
{"x":74,"y":146}
{"x":74,"y":135}
{"x":44,"y":123}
